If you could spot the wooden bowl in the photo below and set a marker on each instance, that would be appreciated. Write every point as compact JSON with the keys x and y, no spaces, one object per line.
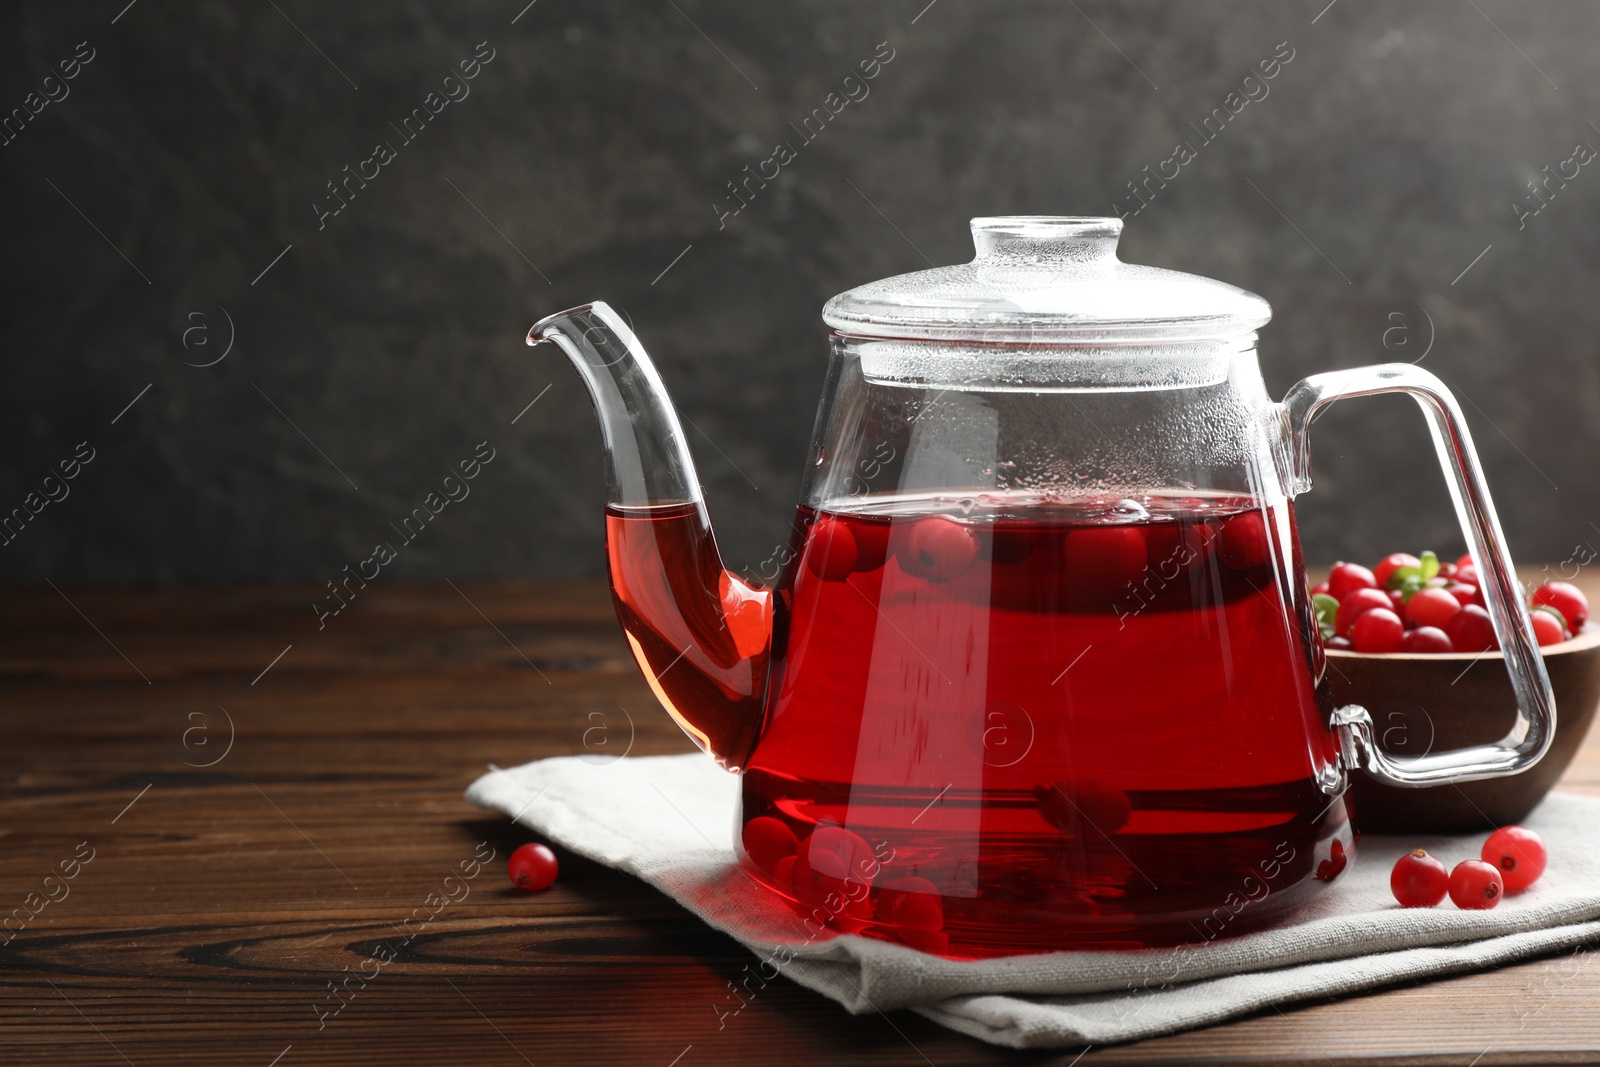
{"x":1429,"y":703}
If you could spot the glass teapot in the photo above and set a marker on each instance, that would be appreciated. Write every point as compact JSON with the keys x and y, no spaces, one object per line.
{"x":1041,"y":670}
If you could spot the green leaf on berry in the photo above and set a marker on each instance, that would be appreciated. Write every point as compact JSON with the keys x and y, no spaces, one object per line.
{"x":1430,"y":565}
{"x":1400,"y":575}
{"x":1327,"y":607}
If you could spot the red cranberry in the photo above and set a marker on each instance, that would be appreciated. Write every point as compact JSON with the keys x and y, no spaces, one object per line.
{"x":1346,"y":578}
{"x":833,"y":860}
{"x":768,"y":840}
{"x":1352,"y":606}
{"x":1471,"y":631}
{"x":830,"y":550}
{"x":1084,"y":807}
{"x":1106,"y":557}
{"x":1518,"y":854}
{"x":1418,"y":880}
{"x":1427,"y":639}
{"x":937,"y":548}
{"x":1377,"y":631}
{"x":1548,"y":626}
{"x":1431,"y":607}
{"x":1392,"y":563}
{"x":532,"y":866}
{"x":1565,"y":598}
{"x":1476,"y":885}
{"x":1243,"y":542}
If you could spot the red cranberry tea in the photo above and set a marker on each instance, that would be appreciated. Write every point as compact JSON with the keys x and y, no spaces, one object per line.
{"x":915,"y":778}
{"x":933,"y":667}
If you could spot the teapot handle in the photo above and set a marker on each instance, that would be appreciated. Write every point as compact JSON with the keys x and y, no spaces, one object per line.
{"x":1531,"y":735}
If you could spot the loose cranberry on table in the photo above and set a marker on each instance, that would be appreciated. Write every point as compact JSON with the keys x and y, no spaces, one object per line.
{"x":1346,"y":578}
{"x":1567,"y":599}
{"x":532,"y":866}
{"x":1476,"y":885}
{"x":1518,"y":854}
{"x":1427,"y":639}
{"x":1471,"y":631}
{"x":1377,"y":631}
{"x":1418,"y":880}
{"x":1352,"y":606}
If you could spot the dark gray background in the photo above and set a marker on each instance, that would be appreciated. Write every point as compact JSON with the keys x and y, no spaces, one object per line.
{"x":595,"y":145}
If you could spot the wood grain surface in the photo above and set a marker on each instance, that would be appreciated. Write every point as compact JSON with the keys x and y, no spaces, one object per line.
{"x":266,"y":803}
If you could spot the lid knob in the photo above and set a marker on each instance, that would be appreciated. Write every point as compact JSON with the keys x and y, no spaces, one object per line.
{"x":1046,"y":240}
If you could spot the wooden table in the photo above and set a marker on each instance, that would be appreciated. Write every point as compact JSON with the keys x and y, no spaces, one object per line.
{"x":266,"y":802}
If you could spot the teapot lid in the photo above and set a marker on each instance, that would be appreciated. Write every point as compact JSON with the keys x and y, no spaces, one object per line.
{"x":1041,"y":279}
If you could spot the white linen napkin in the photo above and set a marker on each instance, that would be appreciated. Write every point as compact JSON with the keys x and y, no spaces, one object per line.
{"x":670,"y":821}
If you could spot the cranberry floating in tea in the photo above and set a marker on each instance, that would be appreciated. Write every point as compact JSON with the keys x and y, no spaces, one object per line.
{"x":1041,"y":670}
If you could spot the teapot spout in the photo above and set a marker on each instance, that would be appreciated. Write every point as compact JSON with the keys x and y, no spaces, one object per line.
{"x":701,"y":635}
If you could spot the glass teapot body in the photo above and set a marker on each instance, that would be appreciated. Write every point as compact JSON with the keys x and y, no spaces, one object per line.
{"x":1045,"y":653}
{"x":1041,"y":670}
